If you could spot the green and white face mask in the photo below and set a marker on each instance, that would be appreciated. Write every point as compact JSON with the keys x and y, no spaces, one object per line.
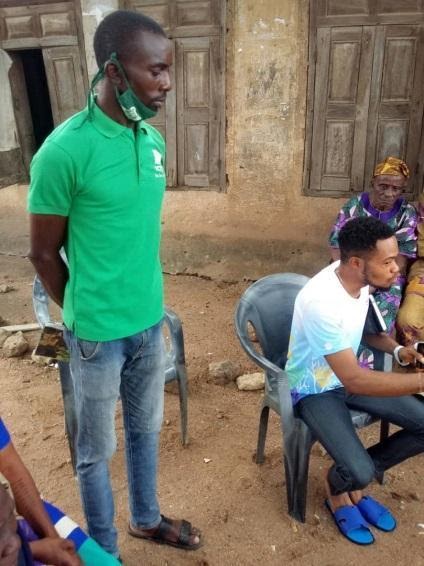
{"x":132,"y":107}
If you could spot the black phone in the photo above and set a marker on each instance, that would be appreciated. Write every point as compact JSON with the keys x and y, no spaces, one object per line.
{"x":419,"y":346}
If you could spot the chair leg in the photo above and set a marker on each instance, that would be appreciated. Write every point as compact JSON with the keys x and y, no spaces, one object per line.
{"x":183,"y":394}
{"x":69,"y":409}
{"x":301,"y":489}
{"x":297,"y":449}
{"x":384,"y":433}
{"x":263,"y":427}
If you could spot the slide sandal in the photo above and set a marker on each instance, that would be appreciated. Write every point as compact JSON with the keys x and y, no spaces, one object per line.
{"x":352,"y":524}
{"x":376,"y":514}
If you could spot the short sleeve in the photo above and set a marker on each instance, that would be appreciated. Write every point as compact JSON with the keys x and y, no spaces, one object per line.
{"x":53,"y":181}
{"x":323,"y":330}
{"x":4,"y":436}
{"x":406,"y":232}
{"x":420,"y":227}
{"x":346,"y":213}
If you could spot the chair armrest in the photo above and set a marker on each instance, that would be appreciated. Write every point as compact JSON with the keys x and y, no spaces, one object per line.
{"x":259,"y":359}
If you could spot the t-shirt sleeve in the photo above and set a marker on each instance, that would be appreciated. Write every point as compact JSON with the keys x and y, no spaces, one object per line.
{"x":343,"y":216}
{"x":406,"y":232}
{"x":4,"y":436}
{"x":323,"y":330}
{"x":53,"y":181}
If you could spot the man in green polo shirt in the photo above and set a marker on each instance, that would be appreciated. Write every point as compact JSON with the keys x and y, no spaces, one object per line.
{"x":97,"y":185}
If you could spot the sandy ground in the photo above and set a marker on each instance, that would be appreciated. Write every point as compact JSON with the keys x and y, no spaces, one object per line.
{"x":240,"y":507}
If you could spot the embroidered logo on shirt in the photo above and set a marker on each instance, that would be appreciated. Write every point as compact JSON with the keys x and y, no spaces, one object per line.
{"x":157,"y":156}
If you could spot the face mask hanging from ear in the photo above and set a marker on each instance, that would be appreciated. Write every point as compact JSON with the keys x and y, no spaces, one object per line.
{"x":132,"y":107}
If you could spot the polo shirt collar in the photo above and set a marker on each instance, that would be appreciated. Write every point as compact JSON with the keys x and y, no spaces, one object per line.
{"x":108,"y":127}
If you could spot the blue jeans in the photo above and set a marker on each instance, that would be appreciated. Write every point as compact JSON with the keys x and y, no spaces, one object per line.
{"x":134,"y":369}
{"x":327,"y":415}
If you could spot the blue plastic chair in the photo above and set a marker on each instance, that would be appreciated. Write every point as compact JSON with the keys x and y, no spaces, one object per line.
{"x":175,"y":365}
{"x":268,"y":306}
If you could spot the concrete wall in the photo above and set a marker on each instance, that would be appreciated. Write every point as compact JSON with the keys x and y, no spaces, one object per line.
{"x":263,"y":223}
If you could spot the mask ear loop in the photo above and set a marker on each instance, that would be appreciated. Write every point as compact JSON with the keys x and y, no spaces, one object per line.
{"x":91,"y":97}
{"x":99,"y":76}
{"x":113,"y":59}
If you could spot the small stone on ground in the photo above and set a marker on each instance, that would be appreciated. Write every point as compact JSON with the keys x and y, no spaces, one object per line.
{"x":251,"y":381}
{"x":15,"y":345}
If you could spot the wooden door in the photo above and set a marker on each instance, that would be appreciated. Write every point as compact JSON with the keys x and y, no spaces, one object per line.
{"x":65,"y":78}
{"x":397,"y":97}
{"x":343,"y":70}
{"x":365,"y":92}
{"x":193,"y":120}
{"x":22,"y":110}
{"x":198,"y":116}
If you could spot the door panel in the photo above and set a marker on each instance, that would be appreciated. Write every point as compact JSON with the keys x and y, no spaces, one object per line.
{"x":341,"y":94}
{"x":197,"y":112}
{"x":396,"y":106}
{"x":193,"y":120}
{"x":65,"y":80}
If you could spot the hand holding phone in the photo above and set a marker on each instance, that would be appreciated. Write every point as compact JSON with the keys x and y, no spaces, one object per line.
{"x":419,"y":346}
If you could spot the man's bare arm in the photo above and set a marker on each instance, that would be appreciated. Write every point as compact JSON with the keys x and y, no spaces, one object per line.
{"x":47,"y":235}
{"x":27,"y":499}
{"x":381,"y":341}
{"x":361,"y":381}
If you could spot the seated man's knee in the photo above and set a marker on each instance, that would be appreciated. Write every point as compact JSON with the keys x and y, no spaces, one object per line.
{"x":363,"y":474}
{"x":353,"y":477}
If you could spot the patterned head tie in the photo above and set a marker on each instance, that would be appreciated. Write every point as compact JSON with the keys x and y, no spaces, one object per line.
{"x":392,"y":166}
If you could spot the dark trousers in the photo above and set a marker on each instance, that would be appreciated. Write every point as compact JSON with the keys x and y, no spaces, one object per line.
{"x":327,"y":415}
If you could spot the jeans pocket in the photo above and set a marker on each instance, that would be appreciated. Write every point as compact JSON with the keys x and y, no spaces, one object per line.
{"x":88,"y":349}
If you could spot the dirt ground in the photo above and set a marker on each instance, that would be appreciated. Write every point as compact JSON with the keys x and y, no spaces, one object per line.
{"x":239,"y":506}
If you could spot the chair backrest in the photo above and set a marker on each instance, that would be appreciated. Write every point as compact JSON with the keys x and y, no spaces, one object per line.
{"x":268,"y":305}
{"x":175,"y":356}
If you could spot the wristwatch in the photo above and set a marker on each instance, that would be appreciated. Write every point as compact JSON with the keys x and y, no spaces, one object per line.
{"x":396,"y":356}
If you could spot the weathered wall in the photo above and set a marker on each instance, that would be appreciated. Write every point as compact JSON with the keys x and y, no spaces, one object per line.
{"x":263,"y":223}
{"x":93,"y":12}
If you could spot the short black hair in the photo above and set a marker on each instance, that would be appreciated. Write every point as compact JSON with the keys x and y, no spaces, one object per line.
{"x":359,"y":236}
{"x":116,"y":33}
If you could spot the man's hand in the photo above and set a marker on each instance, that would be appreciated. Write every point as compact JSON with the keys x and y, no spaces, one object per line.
{"x":55,"y":551}
{"x":408,"y":354}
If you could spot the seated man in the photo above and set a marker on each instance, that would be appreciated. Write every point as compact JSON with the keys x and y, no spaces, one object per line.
{"x":43,"y":524}
{"x":326,"y":379}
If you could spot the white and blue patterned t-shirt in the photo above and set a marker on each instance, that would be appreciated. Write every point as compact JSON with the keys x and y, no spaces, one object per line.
{"x":326,"y":320}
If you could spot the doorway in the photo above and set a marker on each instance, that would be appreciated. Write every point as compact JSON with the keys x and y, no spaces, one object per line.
{"x":38,"y":93}
{"x":31,"y":101}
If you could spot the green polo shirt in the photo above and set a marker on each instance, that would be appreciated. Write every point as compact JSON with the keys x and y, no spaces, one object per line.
{"x":109,"y":181}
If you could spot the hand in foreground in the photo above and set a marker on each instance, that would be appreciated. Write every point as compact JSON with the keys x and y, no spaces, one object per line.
{"x":408,"y":354}
{"x":55,"y":551}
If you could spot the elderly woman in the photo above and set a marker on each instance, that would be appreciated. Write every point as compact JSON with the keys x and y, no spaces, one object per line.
{"x":410,"y":319}
{"x":384,"y":201}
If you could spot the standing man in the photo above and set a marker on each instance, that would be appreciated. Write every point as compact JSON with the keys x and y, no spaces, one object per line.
{"x":326,"y":379}
{"x":97,"y":185}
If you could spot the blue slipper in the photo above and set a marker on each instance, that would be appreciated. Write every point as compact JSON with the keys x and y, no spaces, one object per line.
{"x":376,"y":514}
{"x":351,"y":524}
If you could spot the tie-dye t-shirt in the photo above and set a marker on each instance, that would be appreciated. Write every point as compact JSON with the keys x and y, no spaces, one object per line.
{"x":326,"y":320}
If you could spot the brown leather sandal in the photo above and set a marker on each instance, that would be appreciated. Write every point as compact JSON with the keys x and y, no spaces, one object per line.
{"x":166,"y":527}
